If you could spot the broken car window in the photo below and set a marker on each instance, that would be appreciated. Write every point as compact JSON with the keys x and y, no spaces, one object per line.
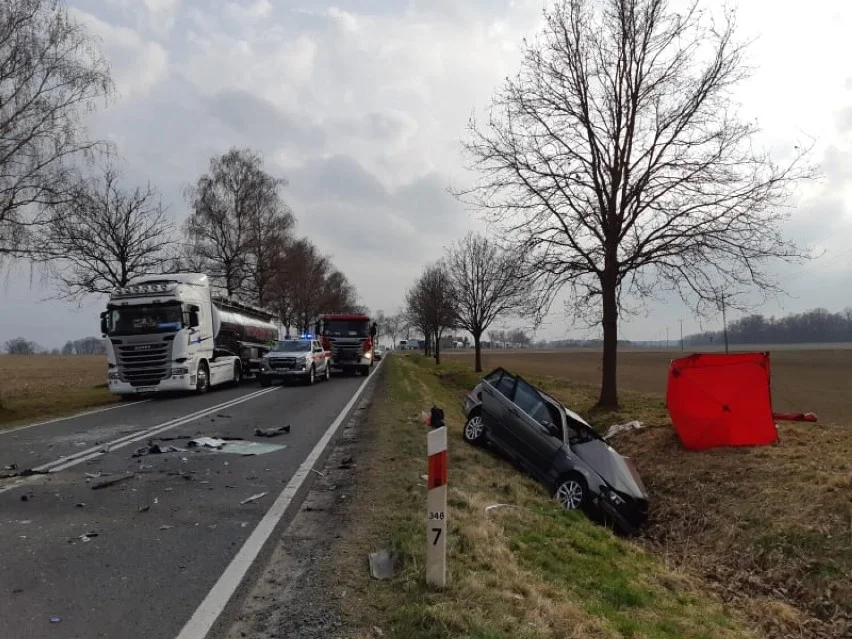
{"x":528,"y":400}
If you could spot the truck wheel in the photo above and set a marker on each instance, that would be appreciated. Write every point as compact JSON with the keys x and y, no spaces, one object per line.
{"x":238,"y":373}
{"x":202,"y":384}
{"x":264,"y":381}
{"x":312,"y":376}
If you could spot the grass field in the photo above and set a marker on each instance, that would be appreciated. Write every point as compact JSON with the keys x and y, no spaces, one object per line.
{"x":522,"y":572}
{"x":802,"y":380}
{"x":37,"y":387}
{"x":769,"y":529}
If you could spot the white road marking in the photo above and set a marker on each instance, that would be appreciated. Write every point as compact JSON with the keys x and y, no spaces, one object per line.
{"x":90,"y":453}
{"x":74,"y":416}
{"x":214,"y":603}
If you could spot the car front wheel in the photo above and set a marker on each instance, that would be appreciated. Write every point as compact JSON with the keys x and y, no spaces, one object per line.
{"x":474,"y":429}
{"x":571,"y":492}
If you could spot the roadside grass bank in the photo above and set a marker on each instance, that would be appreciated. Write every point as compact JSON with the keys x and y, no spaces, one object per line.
{"x":34,"y":387}
{"x":768,"y":529}
{"x":526,"y":570}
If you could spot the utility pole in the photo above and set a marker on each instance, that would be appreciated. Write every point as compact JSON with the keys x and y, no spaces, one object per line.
{"x":725,"y":323}
{"x":681,"y":335}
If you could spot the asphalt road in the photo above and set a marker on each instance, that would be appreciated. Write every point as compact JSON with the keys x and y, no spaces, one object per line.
{"x":161,"y":538}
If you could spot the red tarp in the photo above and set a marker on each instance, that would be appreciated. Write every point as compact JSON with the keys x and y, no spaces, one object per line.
{"x":721,"y":400}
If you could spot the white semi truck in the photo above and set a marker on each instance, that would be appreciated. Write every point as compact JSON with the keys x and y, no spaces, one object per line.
{"x":168,"y":333}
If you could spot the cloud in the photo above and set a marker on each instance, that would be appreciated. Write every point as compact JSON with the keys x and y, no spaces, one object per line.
{"x":361,"y":106}
{"x":137,"y":64}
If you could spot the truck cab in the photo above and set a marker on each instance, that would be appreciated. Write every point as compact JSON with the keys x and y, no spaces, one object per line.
{"x":301,"y":359}
{"x":351,"y":338}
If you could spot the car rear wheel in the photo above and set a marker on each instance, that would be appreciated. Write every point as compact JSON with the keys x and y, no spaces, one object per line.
{"x":571,"y":492}
{"x":474,"y":429}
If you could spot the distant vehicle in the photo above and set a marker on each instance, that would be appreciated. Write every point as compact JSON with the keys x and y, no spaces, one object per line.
{"x":167,"y":333}
{"x":402,"y":345}
{"x":414,"y":345}
{"x":303,"y":359}
{"x":350,"y":337}
{"x":379,"y":353}
{"x":557,"y":447}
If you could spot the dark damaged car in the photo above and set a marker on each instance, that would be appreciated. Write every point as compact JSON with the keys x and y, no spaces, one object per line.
{"x":557,"y":447}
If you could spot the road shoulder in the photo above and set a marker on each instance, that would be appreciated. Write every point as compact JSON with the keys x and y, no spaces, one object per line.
{"x":296,"y":594}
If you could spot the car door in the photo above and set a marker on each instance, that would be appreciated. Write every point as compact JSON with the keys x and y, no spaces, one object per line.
{"x":319,"y":357}
{"x":497,"y":390}
{"x":529,"y":426}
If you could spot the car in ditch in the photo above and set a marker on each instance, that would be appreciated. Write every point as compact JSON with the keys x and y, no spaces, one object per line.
{"x":557,"y":447}
{"x":301,"y":359}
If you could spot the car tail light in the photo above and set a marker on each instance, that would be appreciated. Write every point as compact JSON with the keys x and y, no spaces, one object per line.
{"x":368,"y":345}
{"x":326,"y":343}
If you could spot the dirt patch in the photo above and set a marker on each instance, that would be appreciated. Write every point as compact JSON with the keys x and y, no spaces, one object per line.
{"x":802,"y":380}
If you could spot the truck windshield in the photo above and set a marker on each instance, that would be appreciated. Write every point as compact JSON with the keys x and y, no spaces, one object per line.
{"x":292,"y":346}
{"x":145,"y":318}
{"x":347,"y":328}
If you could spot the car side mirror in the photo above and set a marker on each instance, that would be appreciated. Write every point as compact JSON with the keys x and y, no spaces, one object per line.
{"x":104,"y":325}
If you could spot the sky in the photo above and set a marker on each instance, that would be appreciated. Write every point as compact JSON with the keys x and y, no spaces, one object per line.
{"x":361,"y":106}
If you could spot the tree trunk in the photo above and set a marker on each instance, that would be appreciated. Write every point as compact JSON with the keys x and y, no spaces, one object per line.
{"x":477,"y":347}
{"x":609,"y":382}
{"x":438,"y":348}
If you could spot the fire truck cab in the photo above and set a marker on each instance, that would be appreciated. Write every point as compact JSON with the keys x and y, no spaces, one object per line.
{"x":351,"y":339}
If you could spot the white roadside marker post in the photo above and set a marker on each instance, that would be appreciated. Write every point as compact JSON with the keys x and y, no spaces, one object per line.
{"x":436,"y":504}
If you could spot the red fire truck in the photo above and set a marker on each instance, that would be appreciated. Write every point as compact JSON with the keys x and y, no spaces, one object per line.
{"x":351,"y":339}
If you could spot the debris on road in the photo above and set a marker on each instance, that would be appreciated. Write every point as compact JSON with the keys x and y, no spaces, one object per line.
{"x":206,"y":442}
{"x":271,"y":432}
{"x":55,"y":619}
{"x":80,"y":505}
{"x":95,"y":475}
{"x":11,"y":467}
{"x":381,"y":564}
{"x":25,"y":497}
{"x":166,"y":527}
{"x":144,"y":509}
{"x":85,"y":538}
{"x":112,"y":482}
{"x":223,"y":415}
{"x":253,"y":498}
{"x":314,"y":470}
{"x":153,"y":448}
{"x":620,"y":428}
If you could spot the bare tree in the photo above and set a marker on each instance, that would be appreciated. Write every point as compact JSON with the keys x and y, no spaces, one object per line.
{"x":430,"y":306}
{"x":238,"y":222}
{"x":485,"y":286}
{"x":394,"y":327}
{"x":104,"y":236}
{"x":616,"y":160}
{"x":51,"y":73}
{"x":21,"y":346}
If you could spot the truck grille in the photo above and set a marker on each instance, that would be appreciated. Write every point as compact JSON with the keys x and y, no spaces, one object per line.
{"x":143,"y":364}
{"x":346,"y":351}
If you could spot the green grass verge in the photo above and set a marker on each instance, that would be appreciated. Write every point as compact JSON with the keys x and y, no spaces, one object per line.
{"x":529,"y":570}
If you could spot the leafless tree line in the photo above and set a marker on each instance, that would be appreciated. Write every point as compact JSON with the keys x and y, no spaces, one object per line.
{"x":473,"y":285}
{"x":66,"y":207}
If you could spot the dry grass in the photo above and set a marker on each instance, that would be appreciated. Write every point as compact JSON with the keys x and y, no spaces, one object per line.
{"x":42,"y":386}
{"x":526,"y":571}
{"x":802,"y":380}
{"x":769,"y":528}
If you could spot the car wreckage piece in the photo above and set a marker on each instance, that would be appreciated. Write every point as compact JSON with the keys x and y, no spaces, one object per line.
{"x":557,"y":447}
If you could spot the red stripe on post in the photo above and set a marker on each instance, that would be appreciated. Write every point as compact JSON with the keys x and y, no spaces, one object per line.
{"x":437,"y":470}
